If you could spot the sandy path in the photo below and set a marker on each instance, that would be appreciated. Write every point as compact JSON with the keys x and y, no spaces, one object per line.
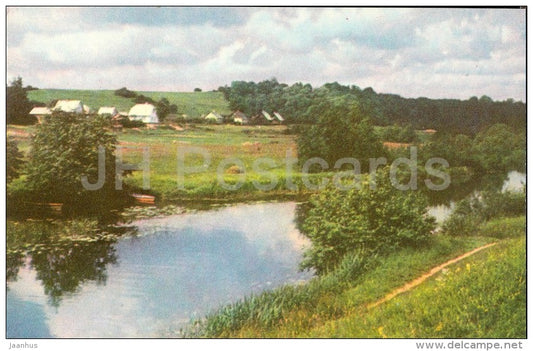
{"x":423,"y":277}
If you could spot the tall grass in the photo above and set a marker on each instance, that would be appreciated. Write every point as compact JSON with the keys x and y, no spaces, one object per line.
{"x":483,"y":296}
{"x":292,"y":311}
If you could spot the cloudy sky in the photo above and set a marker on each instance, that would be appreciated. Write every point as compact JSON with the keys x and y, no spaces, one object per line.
{"x":435,"y":52}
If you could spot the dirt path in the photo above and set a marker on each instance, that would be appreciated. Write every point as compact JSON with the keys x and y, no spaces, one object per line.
{"x":423,"y":277}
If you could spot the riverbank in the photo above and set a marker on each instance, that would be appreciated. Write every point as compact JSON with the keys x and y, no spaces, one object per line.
{"x":336,"y":305}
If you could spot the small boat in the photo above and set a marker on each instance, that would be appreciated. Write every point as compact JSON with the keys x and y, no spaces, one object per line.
{"x":144,"y":199}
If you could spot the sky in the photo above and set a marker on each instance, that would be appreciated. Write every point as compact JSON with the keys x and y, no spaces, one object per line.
{"x":412,"y":52}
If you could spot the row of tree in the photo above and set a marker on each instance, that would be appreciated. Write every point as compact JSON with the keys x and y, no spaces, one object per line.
{"x":297,"y":103}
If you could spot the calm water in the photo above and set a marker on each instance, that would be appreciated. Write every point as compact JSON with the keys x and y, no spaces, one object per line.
{"x":514,"y":182}
{"x":177,"y":268}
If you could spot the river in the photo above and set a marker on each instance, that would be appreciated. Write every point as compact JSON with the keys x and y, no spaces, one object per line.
{"x":175,"y":269}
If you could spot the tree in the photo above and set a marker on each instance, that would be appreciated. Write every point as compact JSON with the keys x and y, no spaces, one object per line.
{"x":18,"y":106}
{"x":197,"y":90}
{"x":163,"y":108}
{"x":14,"y":160}
{"x":124,"y":92}
{"x":340,"y":131}
{"x":366,"y":221}
{"x":65,"y":148}
{"x":500,"y":149}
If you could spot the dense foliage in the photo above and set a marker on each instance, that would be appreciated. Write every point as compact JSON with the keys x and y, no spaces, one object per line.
{"x":14,"y":160}
{"x":341,"y":131}
{"x":65,"y":148}
{"x":376,"y":218}
{"x":295,"y":104}
{"x":18,"y":106}
{"x":495,"y":150}
{"x":470,"y":213}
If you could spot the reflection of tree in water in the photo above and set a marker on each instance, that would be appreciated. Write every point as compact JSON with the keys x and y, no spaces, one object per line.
{"x":14,"y":260}
{"x":456,"y":192}
{"x":64,"y":266}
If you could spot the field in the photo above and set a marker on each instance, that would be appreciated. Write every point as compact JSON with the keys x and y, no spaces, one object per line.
{"x":192,"y":104}
{"x":229,"y":153}
{"x":214,"y":145}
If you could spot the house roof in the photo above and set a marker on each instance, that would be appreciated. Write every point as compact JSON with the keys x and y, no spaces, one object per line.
{"x":214,"y":115}
{"x":40,"y":111}
{"x":267,"y":115}
{"x":106,"y":110}
{"x":68,"y":105}
{"x":142,"y":110}
{"x":279,"y":117}
{"x":239,"y":114}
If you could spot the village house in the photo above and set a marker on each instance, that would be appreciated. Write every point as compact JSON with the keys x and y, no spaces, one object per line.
{"x":214,"y":117}
{"x":240,"y":118}
{"x":70,"y":106}
{"x":40,"y":113}
{"x":144,"y":112}
{"x":108,"y":111}
{"x":267,"y":116}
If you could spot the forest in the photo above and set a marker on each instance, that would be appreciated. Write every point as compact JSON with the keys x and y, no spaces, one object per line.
{"x":298,"y":103}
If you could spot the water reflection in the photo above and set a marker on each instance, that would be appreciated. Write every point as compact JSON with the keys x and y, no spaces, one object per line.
{"x":442,"y":202}
{"x":62,"y":268}
{"x":175,"y":269}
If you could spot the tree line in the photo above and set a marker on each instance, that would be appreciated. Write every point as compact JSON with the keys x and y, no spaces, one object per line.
{"x":298,"y":102}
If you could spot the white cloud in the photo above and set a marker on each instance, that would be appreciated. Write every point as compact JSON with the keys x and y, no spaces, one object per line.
{"x":377,"y":47}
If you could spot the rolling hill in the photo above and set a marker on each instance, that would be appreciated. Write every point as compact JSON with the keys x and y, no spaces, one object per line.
{"x":189,"y":103}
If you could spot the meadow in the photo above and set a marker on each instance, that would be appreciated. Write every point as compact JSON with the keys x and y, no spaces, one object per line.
{"x":193,"y":104}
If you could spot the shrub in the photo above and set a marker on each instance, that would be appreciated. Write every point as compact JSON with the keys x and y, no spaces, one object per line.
{"x":371,"y":220}
{"x":124,"y":92}
{"x":470,"y":213}
{"x":65,"y":147}
{"x":14,"y":160}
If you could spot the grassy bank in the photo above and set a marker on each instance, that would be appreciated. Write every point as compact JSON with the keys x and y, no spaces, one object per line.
{"x":464,"y":301}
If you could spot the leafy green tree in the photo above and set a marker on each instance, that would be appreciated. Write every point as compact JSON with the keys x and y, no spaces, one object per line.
{"x":18,"y":106}
{"x":124,"y":92}
{"x":340,"y":131}
{"x":163,"y":108}
{"x":64,"y":149}
{"x":500,"y":149}
{"x":367,"y":221}
{"x":14,"y":160}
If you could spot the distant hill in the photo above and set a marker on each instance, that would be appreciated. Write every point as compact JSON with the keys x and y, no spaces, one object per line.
{"x":189,"y":103}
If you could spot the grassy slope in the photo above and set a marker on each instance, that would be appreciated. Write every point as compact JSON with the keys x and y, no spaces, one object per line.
{"x":192,"y":104}
{"x":482,"y":296}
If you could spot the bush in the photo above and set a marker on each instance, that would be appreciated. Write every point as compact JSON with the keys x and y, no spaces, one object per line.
{"x":14,"y":160}
{"x":504,"y":227}
{"x":371,"y":220}
{"x":470,"y":213}
{"x":124,"y":92}
{"x":65,"y":147}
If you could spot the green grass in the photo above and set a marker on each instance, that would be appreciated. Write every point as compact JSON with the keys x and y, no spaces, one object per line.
{"x":191,"y":104}
{"x":294,"y":311}
{"x":483,"y":296}
{"x":220,"y":142}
